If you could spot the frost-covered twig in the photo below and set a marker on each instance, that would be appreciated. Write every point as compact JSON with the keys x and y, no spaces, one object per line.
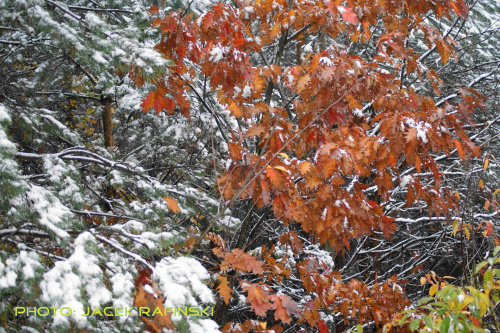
{"x":14,"y":231}
{"x":84,"y":156}
{"x":89,"y":213}
{"x":109,"y":10}
{"x":133,"y":255}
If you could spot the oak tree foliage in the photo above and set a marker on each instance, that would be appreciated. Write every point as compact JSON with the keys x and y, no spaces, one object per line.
{"x":300,"y":165}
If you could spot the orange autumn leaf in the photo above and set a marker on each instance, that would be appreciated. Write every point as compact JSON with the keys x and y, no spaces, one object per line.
{"x":239,"y":260}
{"x":387,"y":226}
{"x":285,"y":308}
{"x":258,"y":298}
{"x":154,"y":10}
{"x":145,"y":299}
{"x":348,"y":15}
{"x":292,"y":239}
{"x":304,"y":167}
{"x":460,"y":149}
{"x":172,"y":204}
{"x":225,"y":289}
{"x":275,"y":177}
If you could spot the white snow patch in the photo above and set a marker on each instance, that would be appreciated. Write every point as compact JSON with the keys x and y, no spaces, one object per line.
{"x":99,"y":58}
{"x":247,"y":92}
{"x":4,"y":115}
{"x":406,"y":180}
{"x":326,"y":61}
{"x":204,"y":326}
{"x":323,"y":257}
{"x":422,"y":128}
{"x":216,"y":54}
{"x":25,"y":263}
{"x":62,"y":286}
{"x":52,"y":213}
{"x":180,"y":280}
{"x":357,"y":112}
{"x":230,"y":221}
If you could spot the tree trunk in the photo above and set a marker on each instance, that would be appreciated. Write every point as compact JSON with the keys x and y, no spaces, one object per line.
{"x":107,"y":122}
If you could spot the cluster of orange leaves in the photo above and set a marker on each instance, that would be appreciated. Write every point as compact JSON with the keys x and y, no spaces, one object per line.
{"x":319,"y":151}
{"x":153,"y":301}
{"x":354,"y":300}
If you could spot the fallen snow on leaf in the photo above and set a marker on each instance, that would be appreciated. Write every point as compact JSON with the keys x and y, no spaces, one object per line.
{"x":230,"y":221}
{"x":406,"y":180}
{"x":326,"y":61}
{"x":247,"y":92}
{"x":421,"y":127}
{"x":357,"y":112}
{"x":216,"y":54}
{"x":322,"y":256}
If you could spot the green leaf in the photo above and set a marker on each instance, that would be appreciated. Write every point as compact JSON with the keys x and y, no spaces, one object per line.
{"x":455,"y":318}
{"x":444,"y":290}
{"x":484,"y":298}
{"x":427,"y":321}
{"x":479,"y":266}
{"x":450,"y":292}
{"x":425,"y":300}
{"x":488,"y":279}
{"x":445,"y":325}
{"x":403,"y":320}
{"x":414,"y":325}
{"x":440,"y":304}
{"x":359,"y":328}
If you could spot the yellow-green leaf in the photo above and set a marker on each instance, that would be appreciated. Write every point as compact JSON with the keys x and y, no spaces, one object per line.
{"x":279,"y":167}
{"x":455,"y":228}
{"x":414,"y":325}
{"x":433,"y":289}
{"x":486,"y":163}
{"x":480,"y":265}
{"x":284,"y":155}
{"x":467,"y":233}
